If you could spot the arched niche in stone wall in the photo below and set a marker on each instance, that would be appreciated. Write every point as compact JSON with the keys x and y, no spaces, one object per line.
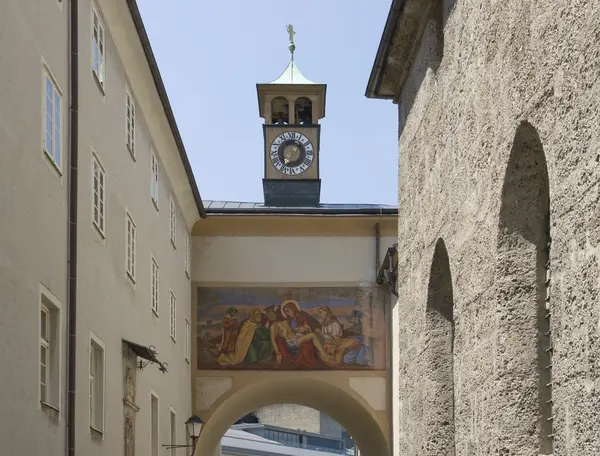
{"x":523,"y":351}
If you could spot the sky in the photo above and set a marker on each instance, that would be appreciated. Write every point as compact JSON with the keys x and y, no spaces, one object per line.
{"x":211,"y":55}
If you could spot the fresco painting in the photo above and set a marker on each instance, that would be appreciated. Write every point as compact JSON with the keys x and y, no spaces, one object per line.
{"x":307,"y":328}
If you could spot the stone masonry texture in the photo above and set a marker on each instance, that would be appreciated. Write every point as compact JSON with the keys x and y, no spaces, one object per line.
{"x":499,"y":214}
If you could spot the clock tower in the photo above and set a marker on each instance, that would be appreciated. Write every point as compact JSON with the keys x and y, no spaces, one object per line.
{"x":291,"y":106}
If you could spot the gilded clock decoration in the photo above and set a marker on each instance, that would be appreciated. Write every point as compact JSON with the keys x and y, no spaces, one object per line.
{"x":291,"y":153}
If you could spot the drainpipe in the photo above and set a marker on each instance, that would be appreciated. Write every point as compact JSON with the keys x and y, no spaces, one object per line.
{"x":72,"y":217}
{"x":377,"y":242}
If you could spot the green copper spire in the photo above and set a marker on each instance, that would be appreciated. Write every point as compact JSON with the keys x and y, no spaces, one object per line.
{"x":291,"y":74}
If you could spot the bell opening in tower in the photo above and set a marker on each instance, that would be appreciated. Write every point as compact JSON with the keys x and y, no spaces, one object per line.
{"x":280,"y":111}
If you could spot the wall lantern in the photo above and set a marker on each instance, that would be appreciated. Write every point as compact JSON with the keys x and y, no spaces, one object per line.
{"x":193,"y":426}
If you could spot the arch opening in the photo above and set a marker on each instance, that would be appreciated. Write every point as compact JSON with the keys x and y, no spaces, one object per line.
{"x":280,"y":111}
{"x":303,"y":111}
{"x":439,"y":356}
{"x":524,"y":350}
{"x":349,"y":411}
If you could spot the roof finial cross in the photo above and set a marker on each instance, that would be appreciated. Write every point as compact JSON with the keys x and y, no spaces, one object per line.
{"x":291,"y":33}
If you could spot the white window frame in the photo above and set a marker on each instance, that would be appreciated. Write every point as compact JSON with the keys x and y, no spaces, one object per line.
{"x":173,"y":222}
{"x":173,"y":430}
{"x":187,"y":255}
{"x":130,"y":246}
{"x":56,"y":154}
{"x":154,"y":433}
{"x":97,"y":384}
{"x":98,"y":28}
{"x":99,"y":192}
{"x":154,"y":286}
{"x":130,"y":122}
{"x":52,"y":307}
{"x":188,"y":336}
{"x":154,"y":178}
{"x":172,"y":316}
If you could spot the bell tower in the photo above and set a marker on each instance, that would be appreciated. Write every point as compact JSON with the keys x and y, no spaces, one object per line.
{"x":291,"y":106}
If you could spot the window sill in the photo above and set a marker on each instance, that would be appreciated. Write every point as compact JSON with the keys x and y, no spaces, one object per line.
{"x":173,"y":244}
{"x":131,"y":152}
{"x":96,"y":433}
{"x":131,"y":278}
{"x":55,"y":165}
{"x":187,"y":274}
{"x":98,"y":230}
{"x":45,"y":405}
{"x":155,"y":312}
{"x":155,"y":202}
{"x":187,"y":360}
{"x":173,"y":339}
{"x":98,"y":83}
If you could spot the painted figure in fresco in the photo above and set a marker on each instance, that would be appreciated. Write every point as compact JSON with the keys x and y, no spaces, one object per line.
{"x":345,"y":349}
{"x":229,"y":332}
{"x":294,"y":340}
{"x":252,"y":345}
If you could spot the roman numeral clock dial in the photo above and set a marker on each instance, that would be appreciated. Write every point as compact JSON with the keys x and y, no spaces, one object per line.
{"x":291,"y":153}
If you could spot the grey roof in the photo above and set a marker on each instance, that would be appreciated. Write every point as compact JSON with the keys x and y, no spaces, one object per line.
{"x":240,"y":442}
{"x":249,"y":208}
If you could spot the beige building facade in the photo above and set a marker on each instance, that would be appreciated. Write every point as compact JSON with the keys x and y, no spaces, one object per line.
{"x":136,"y":206}
{"x":499,"y":231}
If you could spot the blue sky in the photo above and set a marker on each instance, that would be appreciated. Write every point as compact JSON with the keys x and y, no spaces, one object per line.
{"x":211,"y":55}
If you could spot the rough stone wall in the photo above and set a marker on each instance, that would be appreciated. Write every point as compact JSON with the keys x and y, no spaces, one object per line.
{"x":511,"y":71}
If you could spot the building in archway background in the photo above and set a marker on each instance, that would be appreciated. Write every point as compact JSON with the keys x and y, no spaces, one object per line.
{"x":499,"y":240}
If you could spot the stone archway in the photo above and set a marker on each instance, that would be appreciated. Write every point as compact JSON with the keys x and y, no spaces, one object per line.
{"x":350,"y":410}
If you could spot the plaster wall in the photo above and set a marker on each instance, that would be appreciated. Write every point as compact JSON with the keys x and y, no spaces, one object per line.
{"x":33,"y":224}
{"x":289,"y":261}
{"x":112,"y":306}
{"x":504,"y":63}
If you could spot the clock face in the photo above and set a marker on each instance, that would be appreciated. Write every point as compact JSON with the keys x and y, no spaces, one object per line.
{"x":291,"y":153}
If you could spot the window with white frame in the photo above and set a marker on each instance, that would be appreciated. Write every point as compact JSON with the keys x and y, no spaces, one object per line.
{"x":187,"y":255}
{"x":98,"y":47}
{"x":96,"y":382}
{"x":153,"y":424}
{"x":98,"y":191}
{"x":173,"y":431}
{"x":154,"y":177}
{"x":52,"y":120}
{"x":50,"y":354}
{"x":130,"y":122}
{"x":173,"y":214}
{"x":131,"y":239}
{"x":173,"y":316}
{"x":187,"y":340}
{"x":154,"y":290}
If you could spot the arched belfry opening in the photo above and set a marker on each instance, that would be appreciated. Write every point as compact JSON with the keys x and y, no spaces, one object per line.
{"x":439,"y":357}
{"x":280,"y":111}
{"x":348,"y":409}
{"x":303,"y":111}
{"x":523,"y":277}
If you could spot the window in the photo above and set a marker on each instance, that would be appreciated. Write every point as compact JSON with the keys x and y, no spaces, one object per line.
{"x":131,"y":237}
{"x":154,"y":177}
{"x":173,"y":311}
{"x":52,"y":120}
{"x":173,"y":431}
{"x":153,"y":424}
{"x":154,"y":290}
{"x":187,"y":340}
{"x":130,"y":122}
{"x":98,"y":49}
{"x":96,"y":379}
{"x":173,"y":221}
{"x":98,"y":183}
{"x":50,"y":354}
{"x":187,"y":255}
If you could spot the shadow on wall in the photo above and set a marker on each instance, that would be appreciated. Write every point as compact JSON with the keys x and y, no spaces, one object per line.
{"x":523,"y":258}
{"x":349,"y":411}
